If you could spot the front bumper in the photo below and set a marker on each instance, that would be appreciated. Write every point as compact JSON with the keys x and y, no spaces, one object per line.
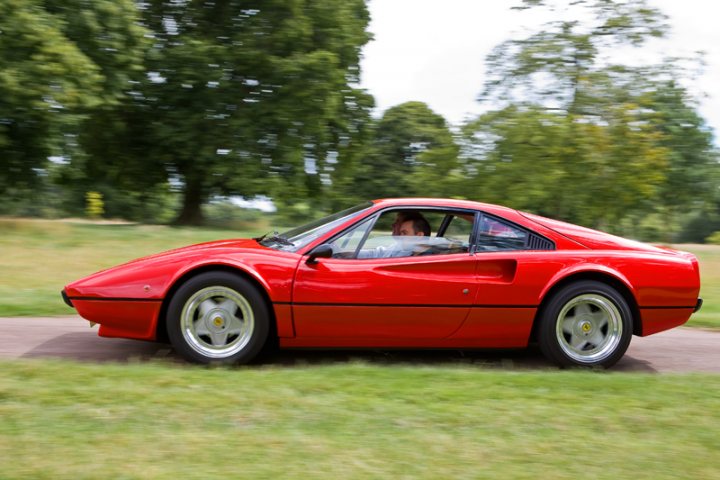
{"x":698,"y":305}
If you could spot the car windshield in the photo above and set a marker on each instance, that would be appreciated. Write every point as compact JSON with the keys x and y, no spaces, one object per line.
{"x":295,"y":239}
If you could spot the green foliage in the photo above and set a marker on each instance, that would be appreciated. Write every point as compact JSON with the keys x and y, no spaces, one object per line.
{"x":239,"y":98}
{"x":714,"y":238}
{"x":296,"y":213}
{"x":161,"y":106}
{"x":58,"y":61}
{"x":525,"y":157}
{"x":704,"y":220}
{"x":224,"y":98}
{"x":225,"y":214}
{"x":411,"y":153}
{"x":700,"y":225}
{"x":580,"y":138}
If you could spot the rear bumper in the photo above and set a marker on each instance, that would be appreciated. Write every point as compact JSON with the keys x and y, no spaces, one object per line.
{"x":66,"y":299}
{"x":656,"y":320}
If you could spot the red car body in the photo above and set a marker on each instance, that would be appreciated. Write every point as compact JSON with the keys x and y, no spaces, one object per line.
{"x":481,"y":299}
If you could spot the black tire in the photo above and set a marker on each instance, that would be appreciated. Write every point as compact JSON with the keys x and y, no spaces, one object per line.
{"x":218,"y":318}
{"x":586,"y":323}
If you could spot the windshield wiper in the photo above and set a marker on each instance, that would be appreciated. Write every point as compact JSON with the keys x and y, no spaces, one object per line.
{"x":260,"y":238}
{"x":275,"y":237}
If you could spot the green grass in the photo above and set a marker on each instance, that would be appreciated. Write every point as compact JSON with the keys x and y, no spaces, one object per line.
{"x":67,"y":421}
{"x":39,"y":257}
{"x":709,"y":258}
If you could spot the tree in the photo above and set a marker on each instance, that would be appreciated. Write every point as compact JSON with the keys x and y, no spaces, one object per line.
{"x":411,"y":153}
{"x":352,"y":134}
{"x":693,"y":166}
{"x":576,"y":135}
{"x":59,"y":60}
{"x":239,"y":98}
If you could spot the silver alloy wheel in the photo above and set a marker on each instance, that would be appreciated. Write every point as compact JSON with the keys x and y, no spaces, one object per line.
{"x":589,"y":328}
{"x":217,"y":322}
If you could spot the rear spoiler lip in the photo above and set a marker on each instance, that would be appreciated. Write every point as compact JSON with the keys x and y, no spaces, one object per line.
{"x":66,"y":299}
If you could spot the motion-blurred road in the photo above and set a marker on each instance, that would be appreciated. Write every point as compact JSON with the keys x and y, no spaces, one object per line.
{"x":680,"y":350}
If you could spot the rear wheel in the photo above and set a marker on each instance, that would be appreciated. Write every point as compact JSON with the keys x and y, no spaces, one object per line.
{"x":587,"y":323}
{"x":218,"y":317}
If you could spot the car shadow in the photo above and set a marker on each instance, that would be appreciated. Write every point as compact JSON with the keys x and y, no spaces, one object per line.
{"x":631,"y":364}
{"x":86,"y":347}
{"x":515,"y":359}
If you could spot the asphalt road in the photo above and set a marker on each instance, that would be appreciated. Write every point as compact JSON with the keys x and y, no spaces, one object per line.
{"x":681,"y":350}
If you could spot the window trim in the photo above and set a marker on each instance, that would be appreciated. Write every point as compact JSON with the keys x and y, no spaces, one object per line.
{"x":373,"y":221}
{"x":375,"y":216}
{"x":474,"y":236}
{"x":445,"y":224}
{"x":511,"y":224}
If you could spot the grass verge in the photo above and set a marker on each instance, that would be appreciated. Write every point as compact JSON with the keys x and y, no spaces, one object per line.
{"x":40,"y":257}
{"x":61,"y":420}
{"x":709,"y":258}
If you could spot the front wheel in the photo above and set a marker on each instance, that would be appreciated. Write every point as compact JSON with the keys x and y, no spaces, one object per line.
{"x":218,"y":317}
{"x":587,"y":323}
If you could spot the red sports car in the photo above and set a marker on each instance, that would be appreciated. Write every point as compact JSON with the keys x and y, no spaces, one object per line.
{"x":400,"y":273}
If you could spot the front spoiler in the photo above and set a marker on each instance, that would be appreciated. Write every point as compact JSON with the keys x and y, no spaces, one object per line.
{"x":698,"y":305}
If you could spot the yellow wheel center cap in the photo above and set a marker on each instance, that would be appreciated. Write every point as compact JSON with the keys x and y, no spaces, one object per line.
{"x":218,"y":321}
{"x":586,"y":327}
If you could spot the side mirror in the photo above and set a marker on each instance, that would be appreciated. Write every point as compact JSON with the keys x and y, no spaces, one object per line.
{"x":324,"y":250}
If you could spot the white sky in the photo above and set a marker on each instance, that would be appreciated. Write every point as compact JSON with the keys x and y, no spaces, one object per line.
{"x":434,"y":50}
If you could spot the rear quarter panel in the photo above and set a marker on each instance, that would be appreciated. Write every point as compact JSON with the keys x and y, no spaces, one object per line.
{"x":665,"y":286}
{"x":655,"y":279}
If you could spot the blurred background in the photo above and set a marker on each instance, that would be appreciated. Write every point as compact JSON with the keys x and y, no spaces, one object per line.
{"x":238,"y":114}
{"x":126,"y":124}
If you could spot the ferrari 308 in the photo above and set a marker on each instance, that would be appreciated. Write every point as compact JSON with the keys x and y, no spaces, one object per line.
{"x":400,"y":273}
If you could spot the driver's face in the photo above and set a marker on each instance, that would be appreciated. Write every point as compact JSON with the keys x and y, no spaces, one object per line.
{"x":407,"y":229}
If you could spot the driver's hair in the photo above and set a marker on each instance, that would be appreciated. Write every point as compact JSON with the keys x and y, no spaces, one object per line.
{"x":419,"y":222}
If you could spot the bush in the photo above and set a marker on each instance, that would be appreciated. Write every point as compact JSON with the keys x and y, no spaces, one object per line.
{"x":700,"y":227}
{"x":714,"y":238}
{"x":225,"y":214}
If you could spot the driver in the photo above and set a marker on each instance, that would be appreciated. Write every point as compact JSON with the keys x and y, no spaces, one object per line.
{"x":409,"y":226}
{"x":414,"y":224}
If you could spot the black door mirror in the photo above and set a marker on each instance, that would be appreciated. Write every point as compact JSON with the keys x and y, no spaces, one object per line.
{"x":324,"y":250}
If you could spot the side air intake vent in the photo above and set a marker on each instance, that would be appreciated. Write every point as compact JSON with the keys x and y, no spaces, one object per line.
{"x":536,"y":242}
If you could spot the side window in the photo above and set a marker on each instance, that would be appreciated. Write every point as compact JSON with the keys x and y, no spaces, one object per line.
{"x":413,"y":232}
{"x":381,"y":242}
{"x":496,"y":235}
{"x":460,"y":228}
{"x":346,"y":245}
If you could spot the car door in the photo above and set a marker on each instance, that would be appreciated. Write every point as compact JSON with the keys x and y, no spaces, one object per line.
{"x":510,"y":274}
{"x":366,"y":298}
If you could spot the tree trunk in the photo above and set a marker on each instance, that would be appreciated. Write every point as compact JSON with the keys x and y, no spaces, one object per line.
{"x":193,"y":197}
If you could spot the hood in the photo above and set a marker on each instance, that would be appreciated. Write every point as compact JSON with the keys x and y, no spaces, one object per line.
{"x":593,"y":239}
{"x":245,"y":243}
{"x":149,"y":277}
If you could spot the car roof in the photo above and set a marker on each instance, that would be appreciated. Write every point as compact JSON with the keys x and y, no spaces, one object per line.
{"x":443,"y":202}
